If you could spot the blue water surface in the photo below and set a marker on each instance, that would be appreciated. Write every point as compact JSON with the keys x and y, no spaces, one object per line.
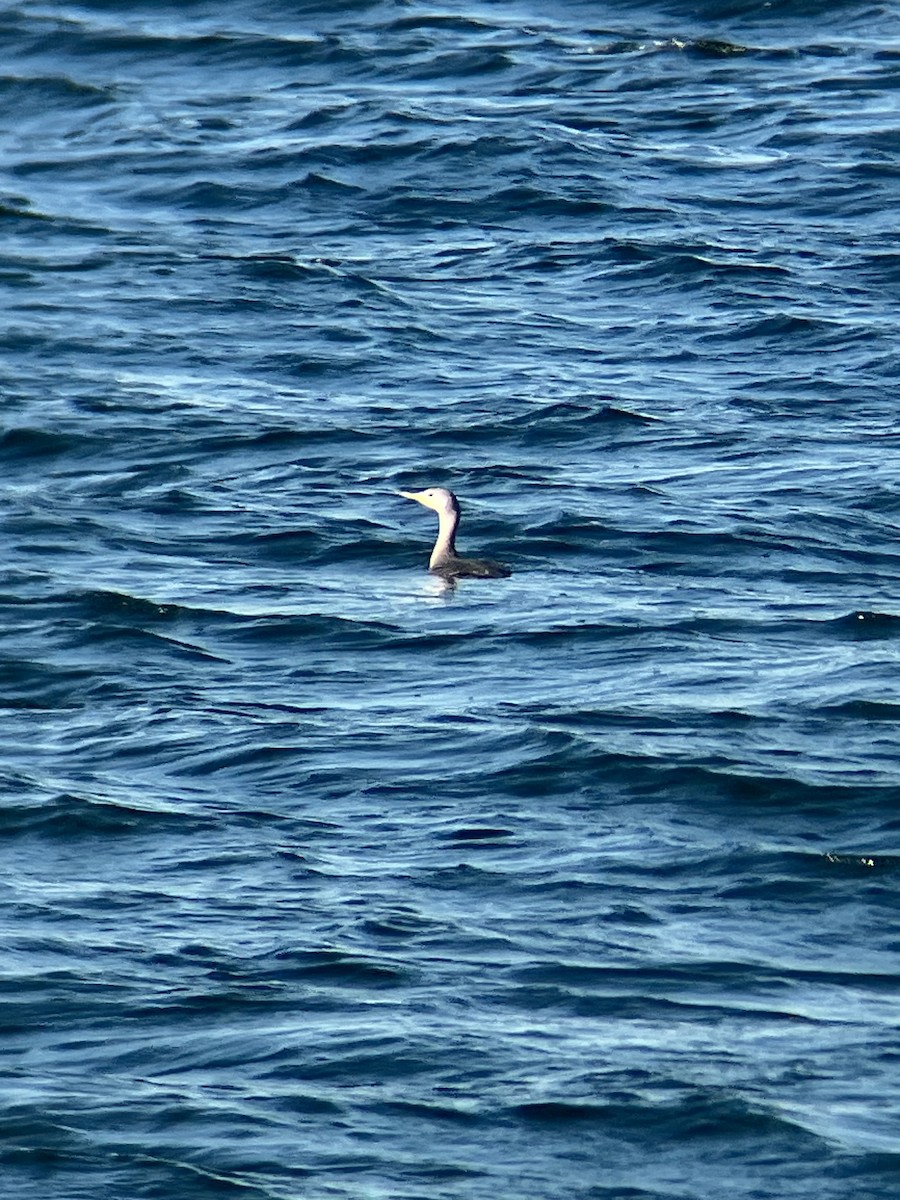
{"x":321,"y":878}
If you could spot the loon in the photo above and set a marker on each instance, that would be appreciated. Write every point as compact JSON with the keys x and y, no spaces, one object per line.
{"x":444,"y":559}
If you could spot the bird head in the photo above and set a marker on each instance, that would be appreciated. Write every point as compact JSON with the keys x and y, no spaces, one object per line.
{"x":438,"y":498}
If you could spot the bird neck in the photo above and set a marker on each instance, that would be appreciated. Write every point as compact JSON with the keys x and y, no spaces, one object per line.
{"x":445,"y":546}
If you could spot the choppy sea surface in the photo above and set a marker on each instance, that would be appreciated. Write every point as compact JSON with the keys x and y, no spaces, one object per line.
{"x":321,"y":879}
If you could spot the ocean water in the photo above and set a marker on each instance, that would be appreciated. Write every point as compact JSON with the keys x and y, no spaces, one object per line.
{"x":321,"y":879}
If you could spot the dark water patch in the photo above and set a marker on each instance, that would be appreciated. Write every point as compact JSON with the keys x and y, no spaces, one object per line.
{"x":697,"y":1116}
{"x":320,"y":628}
{"x":241,"y":443}
{"x":681,"y":267}
{"x":478,"y":834}
{"x":863,"y":862}
{"x":208,"y":1002}
{"x":864,"y":710}
{"x":626,"y":1192}
{"x":170,"y":502}
{"x":337,"y":968}
{"x":19,"y":444}
{"x":399,"y":924}
{"x":867,"y":625}
{"x":117,"y":613}
{"x":186,"y":50}
{"x":471,"y":62}
{"x":26,"y":684}
{"x":742,"y":787}
{"x":771,"y":330}
{"x":360,"y":545}
{"x":429,"y":1112}
{"x":715,"y":48}
{"x":211,"y":196}
{"x":696,"y":981}
{"x":140,"y":642}
{"x":567,"y":1002}
{"x":426,"y":643}
{"x":38,"y":94}
{"x":100,"y":606}
{"x":42,"y":1143}
{"x":570,"y":764}
{"x":267,"y":977}
{"x":464,"y":877}
{"x":293,"y":365}
{"x":373,"y":1060}
{"x":884,"y":1166}
{"x":308,"y":1105}
{"x":787,"y":875}
{"x":289,"y":545}
{"x":69,"y":816}
{"x":280,"y":269}
{"x":773,"y":631}
{"x":315,"y":181}
{"x":810,"y":877}
{"x":415,"y":209}
{"x":249,"y":760}
{"x":454,"y":23}
{"x":591,"y":417}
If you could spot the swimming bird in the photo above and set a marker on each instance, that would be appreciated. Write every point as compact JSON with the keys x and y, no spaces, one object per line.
{"x":444,"y":559}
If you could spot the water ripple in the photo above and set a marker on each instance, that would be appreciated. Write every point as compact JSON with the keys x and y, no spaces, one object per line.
{"x":322,"y":876}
